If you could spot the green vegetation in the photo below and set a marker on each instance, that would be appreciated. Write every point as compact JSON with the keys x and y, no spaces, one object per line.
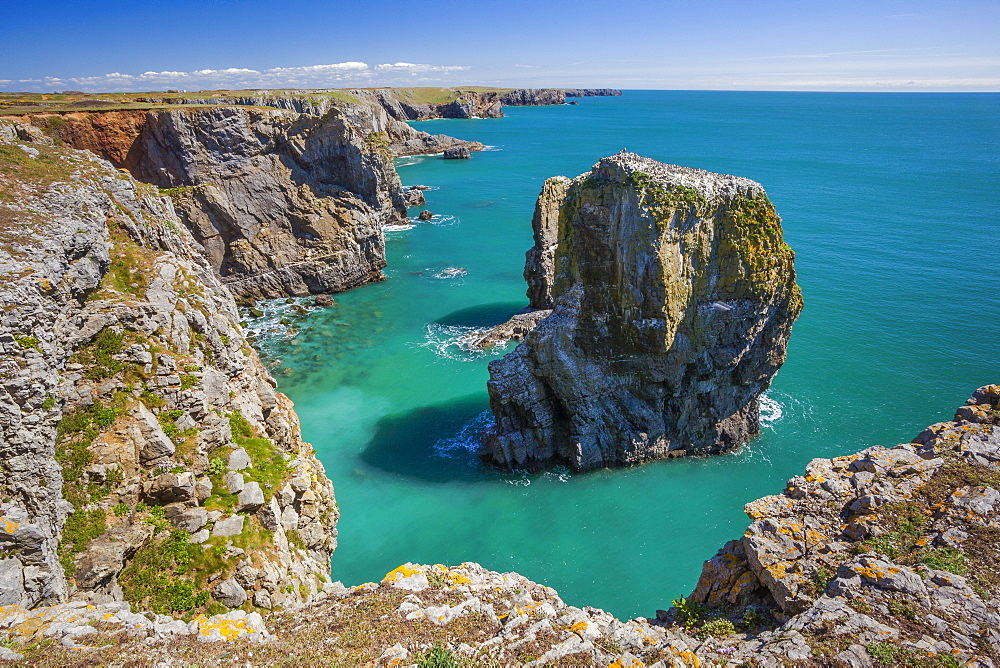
{"x":98,"y":355}
{"x":49,"y":402}
{"x":81,"y":527}
{"x":27,"y":342}
{"x":689,"y":613}
{"x":438,"y":657}
{"x":151,"y":578}
{"x":268,"y":465}
{"x":717,"y":628}
{"x":887,"y":654}
{"x":665,"y":199}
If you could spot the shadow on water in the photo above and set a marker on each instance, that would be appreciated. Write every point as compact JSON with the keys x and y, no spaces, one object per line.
{"x":482,"y":315}
{"x":432,"y":443}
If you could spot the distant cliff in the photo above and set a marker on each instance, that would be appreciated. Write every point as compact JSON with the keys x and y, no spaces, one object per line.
{"x":673,"y":297}
{"x":288,"y":200}
{"x":592,"y":92}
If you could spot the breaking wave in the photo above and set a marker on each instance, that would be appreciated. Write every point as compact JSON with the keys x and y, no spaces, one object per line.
{"x":453,"y":342}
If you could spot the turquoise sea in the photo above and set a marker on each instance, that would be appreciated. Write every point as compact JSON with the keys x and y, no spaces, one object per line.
{"x":891,"y":203}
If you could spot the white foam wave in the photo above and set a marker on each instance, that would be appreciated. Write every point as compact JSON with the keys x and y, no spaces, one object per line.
{"x":442,"y":220}
{"x":453,"y":342}
{"x":408,"y":160}
{"x":451,"y":272}
{"x":466,"y":441}
{"x":492,"y":148}
{"x":770,"y":410}
{"x":398,"y":228}
{"x":278,"y":320}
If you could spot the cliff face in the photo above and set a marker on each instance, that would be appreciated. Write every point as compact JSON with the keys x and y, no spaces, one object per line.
{"x":284,"y":203}
{"x":673,"y":297}
{"x":146,"y":455}
{"x":288,"y":199}
{"x":592,"y":92}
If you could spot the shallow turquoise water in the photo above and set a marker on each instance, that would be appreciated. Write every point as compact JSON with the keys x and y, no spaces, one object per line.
{"x":890,"y":202}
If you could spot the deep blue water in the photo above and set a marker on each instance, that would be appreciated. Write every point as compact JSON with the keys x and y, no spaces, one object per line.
{"x":890,"y":202}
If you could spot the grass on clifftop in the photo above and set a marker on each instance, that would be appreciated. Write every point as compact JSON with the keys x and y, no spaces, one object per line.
{"x":19,"y":104}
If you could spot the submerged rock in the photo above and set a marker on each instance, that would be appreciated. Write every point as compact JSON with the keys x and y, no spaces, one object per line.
{"x":673,"y":297}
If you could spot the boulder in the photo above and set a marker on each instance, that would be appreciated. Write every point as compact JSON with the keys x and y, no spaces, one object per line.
{"x":230,"y":526}
{"x":239,"y":460}
{"x":457,"y":153}
{"x":251,"y":498}
{"x":413,"y":197}
{"x":229,"y":593}
{"x":170,"y":488}
{"x":185,"y":517}
{"x":425,"y":215}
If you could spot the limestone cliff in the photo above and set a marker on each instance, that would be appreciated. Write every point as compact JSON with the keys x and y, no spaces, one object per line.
{"x":673,"y":297}
{"x":287,"y":198}
{"x":145,"y":453}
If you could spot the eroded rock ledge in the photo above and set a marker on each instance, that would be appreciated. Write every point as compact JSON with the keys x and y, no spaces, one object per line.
{"x":672,"y":296}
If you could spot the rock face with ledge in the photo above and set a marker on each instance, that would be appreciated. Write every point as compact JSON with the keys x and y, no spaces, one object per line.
{"x":673,"y":298}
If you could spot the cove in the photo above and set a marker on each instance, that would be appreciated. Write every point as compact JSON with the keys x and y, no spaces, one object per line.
{"x":889,"y":201}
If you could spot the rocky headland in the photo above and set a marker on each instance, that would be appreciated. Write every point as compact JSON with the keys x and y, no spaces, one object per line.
{"x":159,"y":506}
{"x":592,"y":92}
{"x":672,"y":296}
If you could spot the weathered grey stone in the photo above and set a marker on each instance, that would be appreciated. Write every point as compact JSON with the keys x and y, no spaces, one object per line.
{"x":234,"y":482}
{"x":239,"y":460}
{"x":230,"y":526}
{"x":251,"y":498}
{"x":229,"y":593}
{"x":457,"y":153}
{"x":185,"y":517}
{"x":203,"y":488}
{"x":170,"y":487}
{"x":155,"y":443}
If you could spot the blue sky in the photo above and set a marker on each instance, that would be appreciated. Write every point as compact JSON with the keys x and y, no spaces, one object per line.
{"x":110,"y":45}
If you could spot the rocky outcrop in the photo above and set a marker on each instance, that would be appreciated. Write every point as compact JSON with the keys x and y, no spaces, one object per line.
{"x":673,"y":297}
{"x":457,"y":153}
{"x":592,"y":92}
{"x":886,"y":556}
{"x":129,"y":398}
{"x":515,"y":329}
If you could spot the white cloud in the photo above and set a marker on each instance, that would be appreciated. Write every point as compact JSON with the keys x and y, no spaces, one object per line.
{"x":330,"y":75}
{"x":335,"y":67}
{"x":417,"y":67}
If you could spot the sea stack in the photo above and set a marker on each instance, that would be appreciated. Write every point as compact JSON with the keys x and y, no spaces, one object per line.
{"x":673,"y":297}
